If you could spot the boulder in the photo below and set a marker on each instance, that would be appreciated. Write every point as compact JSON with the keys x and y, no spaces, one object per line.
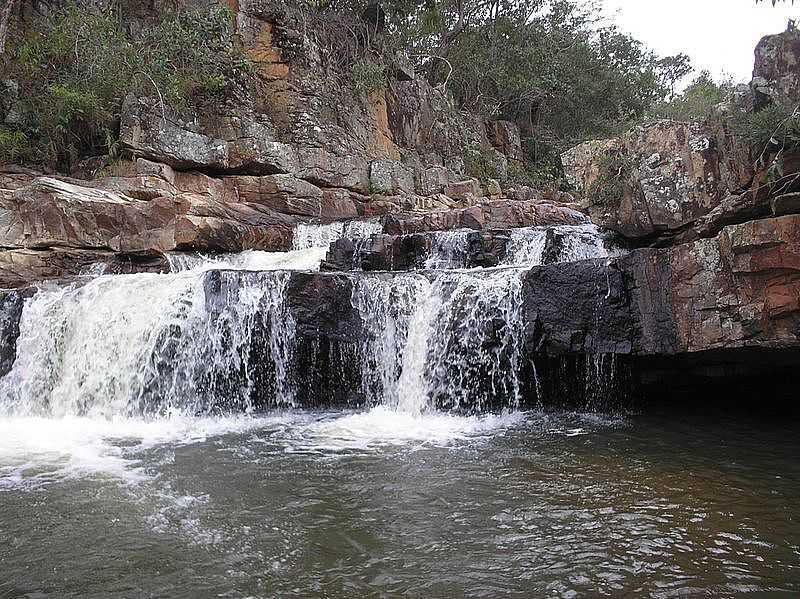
{"x":281,"y":193}
{"x":776,"y":74}
{"x":463,"y":190}
{"x":49,"y":213}
{"x":390,"y":177}
{"x":238,"y":142}
{"x":740,"y":289}
{"x":434,"y":180}
{"x":657,"y":178}
{"x":21,"y":267}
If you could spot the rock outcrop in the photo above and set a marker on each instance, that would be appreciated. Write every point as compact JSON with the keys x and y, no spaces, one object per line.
{"x":670,"y":182}
{"x":739,"y":289}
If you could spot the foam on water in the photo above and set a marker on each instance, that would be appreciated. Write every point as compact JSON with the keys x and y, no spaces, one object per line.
{"x":35,"y":451}
{"x":384,"y":426}
{"x":300,"y":259}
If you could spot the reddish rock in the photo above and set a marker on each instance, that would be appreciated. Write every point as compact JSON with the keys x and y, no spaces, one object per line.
{"x":282,"y":193}
{"x":741,"y":288}
{"x":463,"y":190}
{"x":497,"y":214}
{"x":657,"y":177}
{"x":505,"y":138}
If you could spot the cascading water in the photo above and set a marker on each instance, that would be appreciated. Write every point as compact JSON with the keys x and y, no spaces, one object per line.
{"x":309,"y":246}
{"x":526,"y":247}
{"x":533,"y":246}
{"x":146,"y":345}
{"x":303,"y":259}
{"x":309,"y":235}
{"x":449,"y":250}
{"x":450,"y":341}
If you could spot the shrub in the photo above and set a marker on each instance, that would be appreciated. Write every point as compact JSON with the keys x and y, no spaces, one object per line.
{"x":74,"y":73}
{"x":481,"y":164}
{"x":772,"y":133}
{"x":696,"y":101}
{"x":613,"y":182}
{"x":369,"y":77}
{"x":14,"y":145}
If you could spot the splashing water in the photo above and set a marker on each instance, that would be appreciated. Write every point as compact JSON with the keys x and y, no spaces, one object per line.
{"x":304,"y":259}
{"x":321,"y":236}
{"x":144,"y":345}
{"x":454,"y":341}
{"x":310,"y":245}
{"x":449,"y":249}
{"x":534,"y":246}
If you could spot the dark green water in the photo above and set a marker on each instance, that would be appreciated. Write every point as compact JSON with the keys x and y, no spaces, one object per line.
{"x":334,"y":505}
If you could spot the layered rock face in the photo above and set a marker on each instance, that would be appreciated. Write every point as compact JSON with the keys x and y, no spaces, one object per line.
{"x":297,"y":146}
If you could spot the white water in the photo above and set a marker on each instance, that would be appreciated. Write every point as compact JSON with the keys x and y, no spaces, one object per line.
{"x":310,"y":245}
{"x":454,"y":341}
{"x":145,"y":345}
{"x":449,"y":249}
{"x":534,"y":246}
{"x":314,"y":236}
{"x":305,"y":259}
{"x":526,"y":247}
{"x":107,"y":369}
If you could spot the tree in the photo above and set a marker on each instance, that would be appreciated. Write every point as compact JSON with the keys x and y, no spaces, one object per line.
{"x":696,"y":101}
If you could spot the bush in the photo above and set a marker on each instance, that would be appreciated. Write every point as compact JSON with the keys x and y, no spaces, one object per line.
{"x":481,"y":164}
{"x":14,"y":145}
{"x":772,"y":133}
{"x":75,"y":72}
{"x":615,"y":170}
{"x":696,"y":101}
{"x":369,"y":77}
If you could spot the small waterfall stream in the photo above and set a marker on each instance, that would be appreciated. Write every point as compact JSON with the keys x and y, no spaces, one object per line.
{"x":150,"y":345}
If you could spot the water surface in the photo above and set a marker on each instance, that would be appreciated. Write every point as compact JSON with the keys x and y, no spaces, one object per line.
{"x":381,"y":504}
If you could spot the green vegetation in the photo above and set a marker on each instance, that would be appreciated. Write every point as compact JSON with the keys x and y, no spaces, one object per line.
{"x":615,"y":172}
{"x":481,"y":164}
{"x":772,"y":133}
{"x":368,"y":76}
{"x":554,"y":67}
{"x":75,"y":72}
{"x":550,"y":66}
{"x":696,"y":101}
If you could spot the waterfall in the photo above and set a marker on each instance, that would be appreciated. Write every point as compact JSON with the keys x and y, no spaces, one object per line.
{"x":144,"y":345}
{"x":309,"y":235}
{"x":449,"y":249}
{"x":309,"y":247}
{"x":453,"y":341}
{"x":534,"y":246}
{"x":217,"y":335}
{"x":303,"y":259}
